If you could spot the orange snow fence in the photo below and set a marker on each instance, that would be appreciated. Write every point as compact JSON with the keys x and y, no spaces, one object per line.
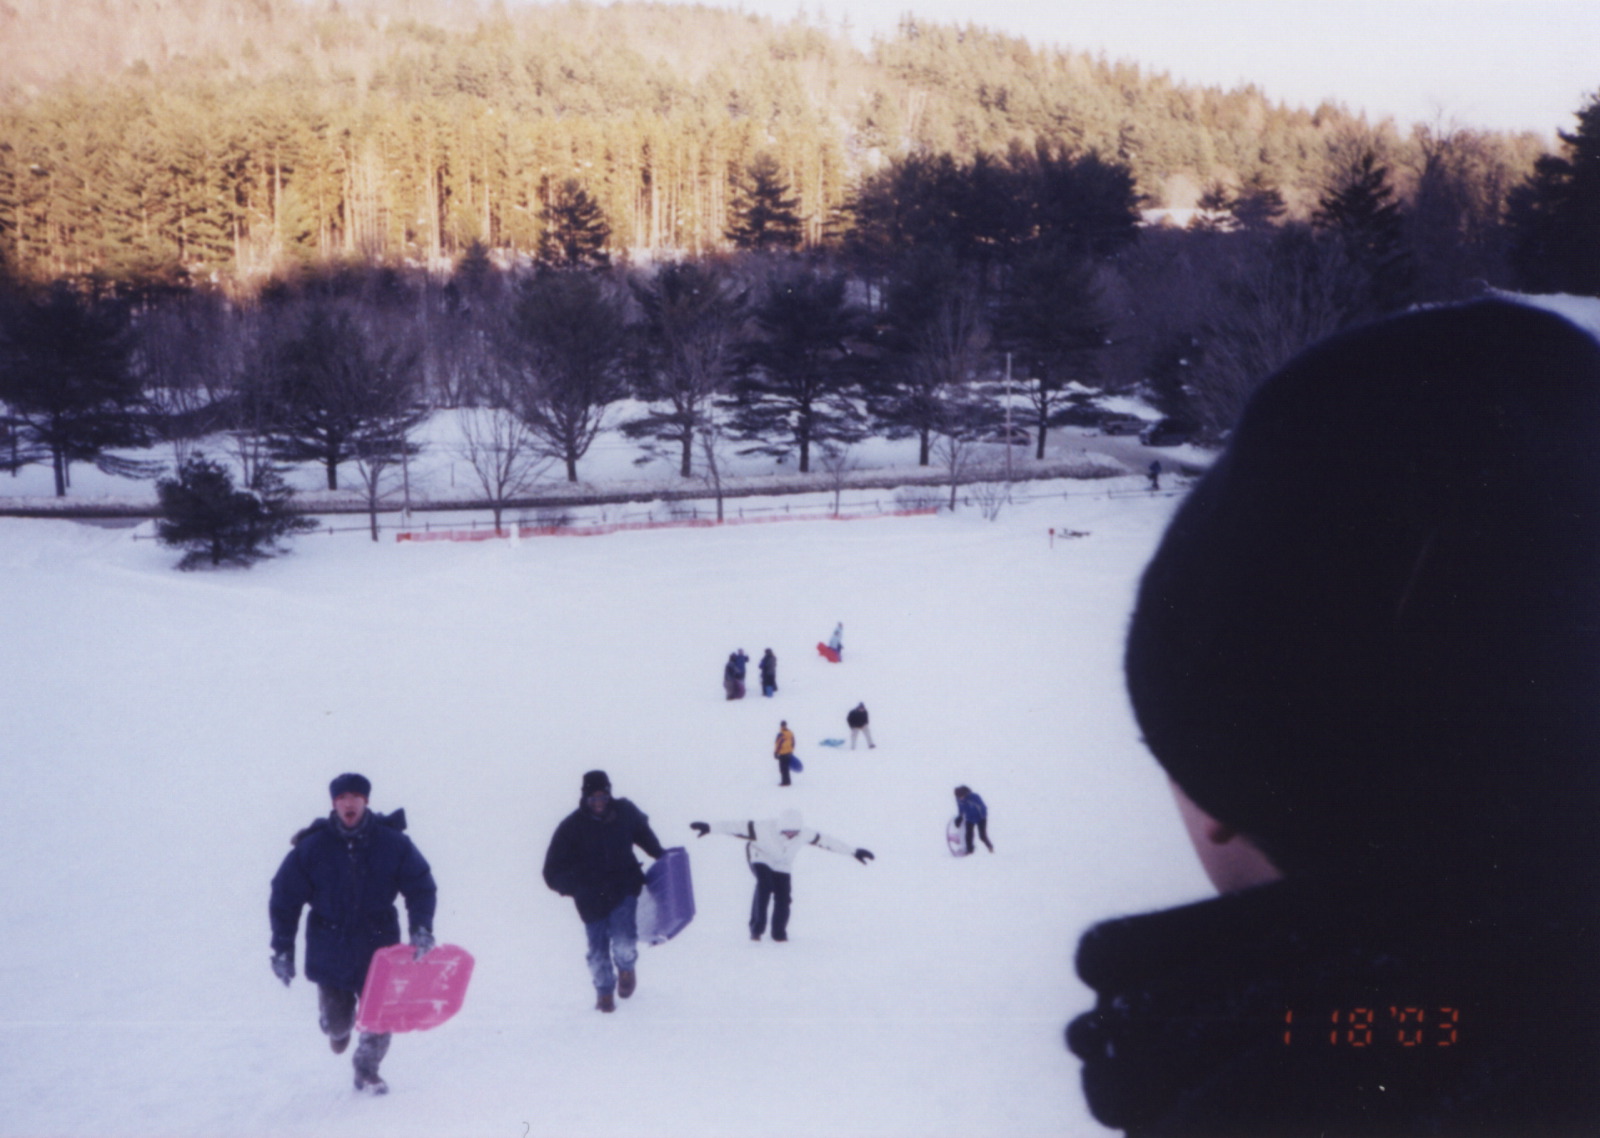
{"x":619,"y":527}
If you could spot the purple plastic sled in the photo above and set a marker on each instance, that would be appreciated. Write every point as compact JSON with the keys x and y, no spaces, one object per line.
{"x":402,"y":994}
{"x":667,"y":903}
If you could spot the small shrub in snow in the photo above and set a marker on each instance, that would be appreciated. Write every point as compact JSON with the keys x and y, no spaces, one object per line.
{"x":218,"y":524}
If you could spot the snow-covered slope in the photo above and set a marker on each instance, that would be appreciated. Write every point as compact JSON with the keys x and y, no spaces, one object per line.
{"x":166,"y":733}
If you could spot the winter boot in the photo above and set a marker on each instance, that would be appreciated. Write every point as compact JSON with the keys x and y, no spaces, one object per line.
{"x":605,"y":1003}
{"x":627,"y":981}
{"x":369,"y":1053}
{"x":338,"y":1043}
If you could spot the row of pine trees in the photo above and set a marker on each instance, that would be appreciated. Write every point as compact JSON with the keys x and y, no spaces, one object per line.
{"x":234,"y":139}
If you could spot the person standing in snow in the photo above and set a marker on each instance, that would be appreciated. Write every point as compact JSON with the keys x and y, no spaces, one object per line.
{"x":972,"y":813}
{"x":733,"y":676}
{"x":857,"y":721}
{"x":591,"y":860}
{"x":769,"y":673}
{"x":836,"y":641}
{"x":783,"y":751}
{"x":773,"y":845}
{"x":1155,"y":474}
{"x":349,"y":867}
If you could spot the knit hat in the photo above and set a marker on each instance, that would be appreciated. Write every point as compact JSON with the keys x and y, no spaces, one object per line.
{"x":595,"y":780}
{"x":1370,"y":638}
{"x":350,"y":784}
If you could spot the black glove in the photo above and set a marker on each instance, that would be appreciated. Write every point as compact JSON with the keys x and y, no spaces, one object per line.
{"x":283,"y":966}
{"x":700,"y":828}
{"x":863,"y":856}
{"x":422,"y":941}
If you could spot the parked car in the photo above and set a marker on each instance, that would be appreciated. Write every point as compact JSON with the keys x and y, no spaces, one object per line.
{"x":1166,"y":433}
{"x":1016,"y":436}
{"x":1122,"y":425}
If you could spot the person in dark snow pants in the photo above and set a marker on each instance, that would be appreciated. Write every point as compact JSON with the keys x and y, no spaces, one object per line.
{"x":769,"y":673}
{"x":349,"y":867}
{"x":733,"y":675}
{"x":972,"y":813}
{"x":1366,"y":653}
{"x":773,"y":845}
{"x":858,"y":721}
{"x":591,"y":860}
{"x":783,"y":751}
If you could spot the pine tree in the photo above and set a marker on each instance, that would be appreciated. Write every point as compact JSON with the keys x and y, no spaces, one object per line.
{"x":565,"y":354}
{"x":693,"y":319}
{"x":66,"y":378}
{"x":575,"y":233}
{"x":1555,"y":214}
{"x":798,"y":369}
{"x":765,"y":217}
{"x":1359,"y":210}
{"x":202,"y":512}
{"x":334,"y":394}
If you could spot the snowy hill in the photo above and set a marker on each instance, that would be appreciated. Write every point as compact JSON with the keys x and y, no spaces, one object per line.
{"x":167,"y":733}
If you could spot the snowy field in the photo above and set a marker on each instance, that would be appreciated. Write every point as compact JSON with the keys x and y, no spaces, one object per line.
{"x":166,"y":733}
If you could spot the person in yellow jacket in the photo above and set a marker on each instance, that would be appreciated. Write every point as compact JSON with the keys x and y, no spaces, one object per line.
{"x":783,"y":750}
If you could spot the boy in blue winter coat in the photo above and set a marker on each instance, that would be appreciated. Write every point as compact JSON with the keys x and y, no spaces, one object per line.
{"x":971,"y":812}
{"x":349,"y":867}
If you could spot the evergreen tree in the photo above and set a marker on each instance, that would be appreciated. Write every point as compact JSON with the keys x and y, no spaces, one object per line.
{"x":693,"y":320}
{"x":333,"y":393}
{"x":1052,"y":320}
{"x":1555,"y":214}
{"x":575,"y":233}
{"x":565,"y":355}
{"x":931,"y":347}
{"x":798,"y":369}
{"x":766,"y":218}
{"x":202,"y":512}
{"x":1258,"y":204}
{"x":66,"y":378}
{"x":1358,"y":209}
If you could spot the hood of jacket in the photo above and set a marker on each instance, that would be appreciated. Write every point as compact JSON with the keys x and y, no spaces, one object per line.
{"x":395,"y":820}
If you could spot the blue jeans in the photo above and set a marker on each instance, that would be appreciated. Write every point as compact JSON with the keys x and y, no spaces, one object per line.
{"x":613,"y":944}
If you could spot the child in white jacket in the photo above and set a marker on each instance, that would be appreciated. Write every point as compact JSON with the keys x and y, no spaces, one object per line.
{"x":773,"y":844}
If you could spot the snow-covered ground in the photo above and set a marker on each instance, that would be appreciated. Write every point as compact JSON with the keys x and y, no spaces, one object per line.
{"x":166,"y":733}
{"x":441,"y":473}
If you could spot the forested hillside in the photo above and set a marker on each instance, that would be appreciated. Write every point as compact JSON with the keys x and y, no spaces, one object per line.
{"x":231,"y":139}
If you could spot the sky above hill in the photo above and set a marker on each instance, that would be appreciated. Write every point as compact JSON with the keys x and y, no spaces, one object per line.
{"x":1499,"y":64}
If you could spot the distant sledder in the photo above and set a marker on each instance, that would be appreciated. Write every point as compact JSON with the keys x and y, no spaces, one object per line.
{"x":773,"y":845}
{"x":833,"y":650}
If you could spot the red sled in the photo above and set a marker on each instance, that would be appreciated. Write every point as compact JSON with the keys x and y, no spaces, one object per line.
{"x":827,"y":653}
{"x":667,"y":904}
{"x":403,"y":994}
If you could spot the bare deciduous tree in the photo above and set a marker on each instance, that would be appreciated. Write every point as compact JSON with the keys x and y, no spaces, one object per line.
{"x":502,"y":453}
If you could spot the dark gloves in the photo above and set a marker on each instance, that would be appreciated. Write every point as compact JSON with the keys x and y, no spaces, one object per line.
{"x":863,"y":856}
{"x":422,"y":941}
{"x":700,"y":828}
{"x":283,"y":966}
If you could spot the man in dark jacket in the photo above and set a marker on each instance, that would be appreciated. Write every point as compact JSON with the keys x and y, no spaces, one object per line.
{"x":859,"y":723}
{"x":1367,"y":653}
{"x":591,"y":860}
{"x":349,"y":867}
{"x":769,"y":673}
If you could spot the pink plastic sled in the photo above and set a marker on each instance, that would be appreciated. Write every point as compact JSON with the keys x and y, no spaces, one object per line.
{"x":827,"y":653}
{"x":402,"y":994}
